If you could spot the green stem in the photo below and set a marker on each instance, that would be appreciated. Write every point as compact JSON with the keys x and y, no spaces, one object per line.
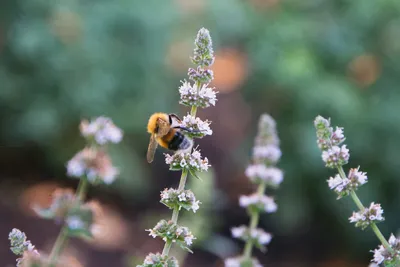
{"x":175,"y":212}
{"x":361,"y":207}
{"x":82,"y":189}
{"x":255,"y":217}
{"x":62,"y":238}
{"x":381,"y":238}
{"x":182,"y":182}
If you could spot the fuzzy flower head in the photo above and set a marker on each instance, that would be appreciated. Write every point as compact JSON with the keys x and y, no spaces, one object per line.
{"x":191,"y":161}
{"x":336,"y":156}
{"x":266,"y":146}
{"x":173,"y":232}
{"x":258,"y":236}
{"x":173,"y":198}
{"x":343,"y":186}
{"x":258,"y":203}
{"x":19,"y":244}
{"x":201,"y":75}
{"x":326,"y":136}
{"x":198,"y":127}
{"x":102,"y":130}
{"x":62,"y":200}
{"x":390,"y":257}
{"x":203,"y":54}
{"x":267,"y":133}
{"x":157,"y":260}
{"x":192,"y":95}
{"x":372,"y":214}
{"x":242,"y":262}
{"x":259,"y":173}
{"x":94,"y":164}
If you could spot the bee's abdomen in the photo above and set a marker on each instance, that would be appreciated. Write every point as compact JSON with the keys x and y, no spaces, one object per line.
{"x":179,"y":142}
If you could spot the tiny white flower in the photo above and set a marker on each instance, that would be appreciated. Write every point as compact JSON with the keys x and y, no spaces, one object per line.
{"x":238,"y":232}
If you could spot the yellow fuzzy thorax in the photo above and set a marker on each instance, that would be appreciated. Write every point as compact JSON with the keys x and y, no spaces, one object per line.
{"x":152,"y":124}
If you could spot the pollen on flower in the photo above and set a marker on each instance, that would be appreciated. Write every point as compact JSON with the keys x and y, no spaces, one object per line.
{"x":192,"y":95}
{"x":258,"y":202}
{"x":93,"y":163}
{"x":102,"y":130}
{"x":200,"y":128}
{"x":367,"y":216}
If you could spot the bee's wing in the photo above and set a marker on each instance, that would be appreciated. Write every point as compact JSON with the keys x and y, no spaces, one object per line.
{"x":152,"y":148}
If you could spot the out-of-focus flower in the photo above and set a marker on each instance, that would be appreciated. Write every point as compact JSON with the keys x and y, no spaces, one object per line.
{"x":173,"y":198}
{"x":364,"y":218}
{"x":240,"y":262}
{"x":256,"y":202}
{"x":259,"y":173}
{"x":343,"y":186}
{"x":102,"y":130}
{"x":62,"y":200}
{"x":157,"y":260}
{"x":94,"y":164}
{"x":258,"y":236}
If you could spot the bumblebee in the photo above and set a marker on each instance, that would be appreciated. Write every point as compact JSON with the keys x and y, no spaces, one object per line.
{"x":166,"y":131}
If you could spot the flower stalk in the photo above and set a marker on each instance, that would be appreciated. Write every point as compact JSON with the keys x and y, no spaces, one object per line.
{"x":335,"y":155}
{"x":194,"y":96}
{"x":91,"y":165}
{"x":262,"y":172}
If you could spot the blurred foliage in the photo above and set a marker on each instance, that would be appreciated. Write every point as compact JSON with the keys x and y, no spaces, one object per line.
{"x":64,"y":60}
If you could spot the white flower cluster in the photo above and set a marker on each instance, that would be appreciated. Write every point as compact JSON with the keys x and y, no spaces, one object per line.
{"x":326,"y":137}
{"x":182,"y":198}
{"x":93,"y":163}
{"x":388,"y":256}
{"x":200,"y":128}
{"x":259,"y":173}
{"x":240,"y":261}
{"x":156,"y":260}
{"x":189,"y":161}
{"x":102,"y":130}
{"x":336,"y":156}
{"x":367,"y":216}
{"x":171,"y":231}
{"x":258,"y":235}
{"x":19,"y":244}
{"x":343,"y":186}
{"x":258,"y":202}
{"x":267,"y":153}
{"x":192,"y":95}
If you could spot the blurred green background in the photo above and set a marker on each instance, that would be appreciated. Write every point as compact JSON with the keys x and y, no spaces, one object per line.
{"x":61,"y":61}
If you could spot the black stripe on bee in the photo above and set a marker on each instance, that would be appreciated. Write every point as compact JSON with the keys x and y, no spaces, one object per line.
{"x":176,"y":141}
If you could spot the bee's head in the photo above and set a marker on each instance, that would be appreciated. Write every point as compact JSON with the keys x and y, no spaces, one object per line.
{"x":156,"y":120}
